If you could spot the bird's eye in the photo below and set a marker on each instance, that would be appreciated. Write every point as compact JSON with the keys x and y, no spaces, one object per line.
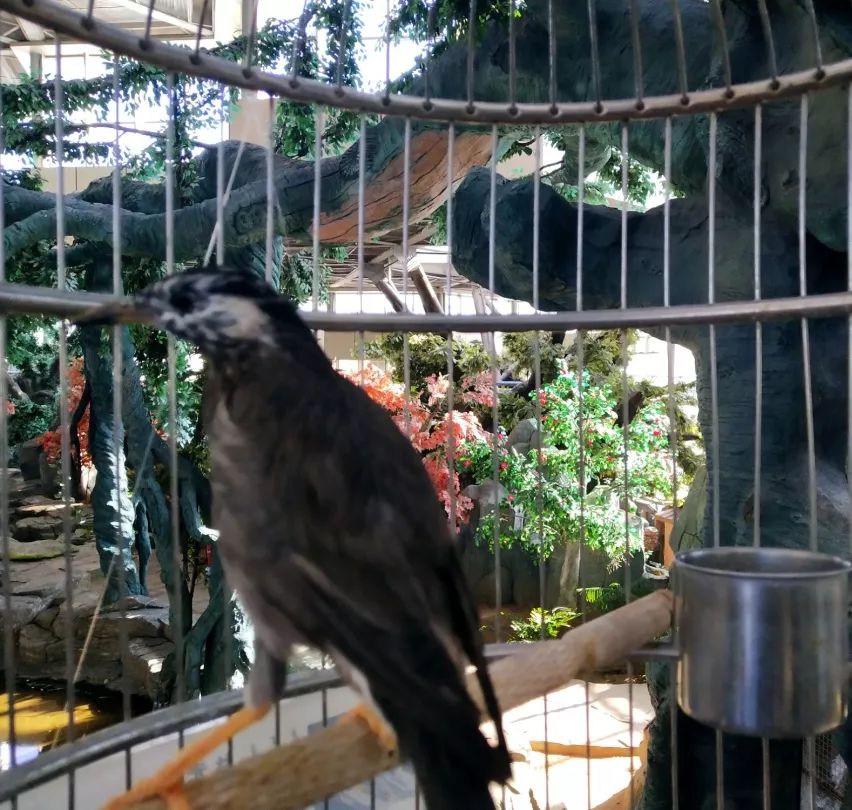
{"x":182,"y":301}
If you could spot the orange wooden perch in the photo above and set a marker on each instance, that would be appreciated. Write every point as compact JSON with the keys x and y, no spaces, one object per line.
{"x":304,"y":772}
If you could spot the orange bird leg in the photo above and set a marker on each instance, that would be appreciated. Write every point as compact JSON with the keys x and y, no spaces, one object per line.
{"x":168,"y":781}
{"x":364,"y":714}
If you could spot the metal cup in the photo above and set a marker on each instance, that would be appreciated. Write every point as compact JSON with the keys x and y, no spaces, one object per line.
{"x":762,"y":639}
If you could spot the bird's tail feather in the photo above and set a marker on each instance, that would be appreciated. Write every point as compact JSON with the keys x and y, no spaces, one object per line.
{"x":448,"y":782}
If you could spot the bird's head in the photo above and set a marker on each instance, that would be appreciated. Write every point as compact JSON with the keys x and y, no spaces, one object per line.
{"x":222,"y":311}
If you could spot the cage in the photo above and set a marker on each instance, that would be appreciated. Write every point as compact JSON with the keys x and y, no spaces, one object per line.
{"x":405,"y":198}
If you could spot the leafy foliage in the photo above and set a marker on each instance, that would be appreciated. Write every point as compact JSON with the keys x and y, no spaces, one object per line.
{"x":51,"y":440}
{"x":578,"y":478}
{"x":434,"y":432}
{"x":543,"y":623}
{"x":427,"y":355}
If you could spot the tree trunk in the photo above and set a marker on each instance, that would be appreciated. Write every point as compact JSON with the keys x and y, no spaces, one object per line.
{"x":112,"y":510}
{"x":569,"y":574}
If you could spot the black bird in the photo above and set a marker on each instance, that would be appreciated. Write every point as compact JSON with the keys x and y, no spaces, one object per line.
{"x":332,"y":534}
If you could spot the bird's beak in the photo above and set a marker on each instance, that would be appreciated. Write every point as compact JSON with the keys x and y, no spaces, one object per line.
{"x":126,"y":311}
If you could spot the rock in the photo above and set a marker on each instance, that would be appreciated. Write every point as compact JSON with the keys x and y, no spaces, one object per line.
{"x":88,"y":477}
{"x":35,"y":550}
{"x":49,"y":476}
{"x":24,"y":610}
{"x":83,"y":515}
{"x":46,"y":618}
{"x":137,"y":602}
{"x":522,"y":433}
{"x":136,"y":624}
{"x":33,"y":645}
{"x":39,"y":506}
{"x":145,"y":665}
{"x":28,"y":456}
{"x":484,"y":590}
{"x":81,"y":536}
{"x":30,"y":529}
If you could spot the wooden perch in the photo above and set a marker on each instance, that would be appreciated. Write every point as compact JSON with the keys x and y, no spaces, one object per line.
{"x":304,"y":772}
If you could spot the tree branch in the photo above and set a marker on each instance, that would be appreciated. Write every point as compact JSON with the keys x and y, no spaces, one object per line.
{"x":297,"y":775}
{"x":32,"y":215}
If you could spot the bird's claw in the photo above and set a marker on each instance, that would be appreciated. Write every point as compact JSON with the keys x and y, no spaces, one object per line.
{"x":171,"y":793}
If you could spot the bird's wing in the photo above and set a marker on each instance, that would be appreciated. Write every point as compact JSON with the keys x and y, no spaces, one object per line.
{"x":332,"y":520}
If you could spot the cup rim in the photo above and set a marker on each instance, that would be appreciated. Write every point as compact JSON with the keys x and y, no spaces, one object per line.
{"x":706,"y":561}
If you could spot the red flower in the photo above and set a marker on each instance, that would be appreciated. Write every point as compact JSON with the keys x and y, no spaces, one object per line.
{"x":658,"y":433}
{"x":467,"y":462}
{"x":589,"y":442}
{"x":510,"y":498}
{"x":610,"y":458}
{"x":542,"y":398}
{"x":504,"y":465}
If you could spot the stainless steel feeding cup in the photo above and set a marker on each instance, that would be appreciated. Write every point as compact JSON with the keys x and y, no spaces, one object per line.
{"x":762,"y":639}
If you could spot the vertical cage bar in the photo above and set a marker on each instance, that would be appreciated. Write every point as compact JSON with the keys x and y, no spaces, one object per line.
{"x":539,"y":466}
{"x":758,"y":327}
{"x":682,"y":81}
{"x":714,"y":401}
{"x":581,"y":460}
{"x":471,"y":52}
{"x":220,"y":182}
{"x":406,"y":204}
{"x":453,"y":515}
{"x":448,"y":282}
{"x":387,"y":48}
{"x":806,"y":355}
{"x":673,"y":438}
{"x":171,"y":348}
{"x":625,"y":416}
{"x":495,"y":410}
{"x":117,"y":330}
{"x":758,"y":397}
{"x":227,"y":595}
{"x":513,"y":67}
{"x":64,"y":424}
{"x":270,"y":196}
{"x":810,"y":743}
{"x":849,"y":287}
{"x":362,"y":164}
{"x":636,"y":42}
{"x":770,"y":41}
{"x":595,"y":53}
{"x":9,"y":657}
{"x":319,"y":124}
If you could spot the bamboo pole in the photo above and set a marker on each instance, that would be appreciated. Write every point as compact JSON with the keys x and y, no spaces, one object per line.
{"x":306,"y":771}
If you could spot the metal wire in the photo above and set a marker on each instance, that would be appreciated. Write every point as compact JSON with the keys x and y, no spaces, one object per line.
{"x":758,"y":398}
{"x":9,"y":653}
{"x":171,"y":58}
{"x":625,"y":417}
{"x":121,"y":541}
{"x":673,"y":438}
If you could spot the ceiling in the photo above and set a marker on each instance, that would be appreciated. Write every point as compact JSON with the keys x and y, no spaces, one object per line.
{"x":170,"y":20}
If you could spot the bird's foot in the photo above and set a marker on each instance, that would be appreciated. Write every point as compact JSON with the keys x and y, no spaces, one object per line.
{"x":168,"y":782}
{"x":383,"y":732}
{"x":159,"y":785}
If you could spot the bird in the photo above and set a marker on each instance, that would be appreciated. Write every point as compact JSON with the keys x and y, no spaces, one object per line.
{"x":332,"y":535}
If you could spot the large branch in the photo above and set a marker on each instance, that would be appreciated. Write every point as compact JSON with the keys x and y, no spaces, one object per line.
{"x":299,"y":774}
{"x":142,"y":233}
